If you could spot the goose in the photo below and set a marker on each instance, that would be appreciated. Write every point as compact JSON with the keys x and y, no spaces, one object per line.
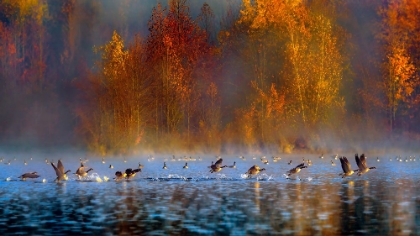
{"x":140,"y":166}
{"x":111,"y":167}
{"x":130,"y":173}
{"x":255,"y":169}
{"x":345,"y":164}
{"x":186,"y":165}
{"x":216,"y":167}
{"x":119,"y":175}
{"x":234,"y":165}
{"x":103,"y":160}
{"x":24,"y":162}
{"x":296,"y":169}
{"x":290,"y":162}
{"x":164,"y":166}
{"x":81,"y":172}
{"x":265,"y":161}
{"x":332,"y":163}
{"x":377,"y":159}
{"x":361,"y":163}
{"x":59,"y":171}
{"x":31,"y":175}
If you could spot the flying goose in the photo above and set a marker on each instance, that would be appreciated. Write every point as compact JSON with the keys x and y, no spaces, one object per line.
{"x":31,"y":175}
{"x":81,"y":172}
{"x":255,"y":169}
{"x":130,"y":173}
{"x":216,"y":167}
{"x":345,"y":164}
{"x":119,"y":175}
{"x":361,"y":163}
{"x":296,"y":169}
{"x":59,"y":171}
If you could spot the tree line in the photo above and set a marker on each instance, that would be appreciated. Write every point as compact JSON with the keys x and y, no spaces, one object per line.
{"x":277,"y":75}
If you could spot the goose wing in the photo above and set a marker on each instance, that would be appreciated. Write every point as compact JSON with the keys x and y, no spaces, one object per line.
{"x":363,"y":161}
{"x":218,"y":162}
{"x":345,"y":164}
{"x":60,"y":166}
{"x":300,"y":166}
{"x":251,"y":170}
{"x":58,"y":172}
{"x":358,"y":162}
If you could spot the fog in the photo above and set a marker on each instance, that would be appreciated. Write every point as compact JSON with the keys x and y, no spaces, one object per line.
{"x":53,"y":88}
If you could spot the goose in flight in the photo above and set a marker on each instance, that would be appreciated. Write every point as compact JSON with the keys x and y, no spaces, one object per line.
{"x":59,"y":171}
{"x":361,"y":163}
{"x":130,"y":173}
{"x":119,"y":175}
{"x":216,"y":167}
{"x":255,"y":169}
{"x":81,"y":172}
{"x":345,"y":164}
{"x":296,"y":169}
{"x":31,"y":175}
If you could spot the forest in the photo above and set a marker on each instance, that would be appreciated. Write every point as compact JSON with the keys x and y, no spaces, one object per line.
{"x":280,"y":76}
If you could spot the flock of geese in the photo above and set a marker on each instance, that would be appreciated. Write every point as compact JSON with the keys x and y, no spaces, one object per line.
{"x":129,"y":173}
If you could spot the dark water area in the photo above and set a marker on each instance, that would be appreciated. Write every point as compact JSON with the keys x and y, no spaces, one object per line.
{"x":177,"y":201}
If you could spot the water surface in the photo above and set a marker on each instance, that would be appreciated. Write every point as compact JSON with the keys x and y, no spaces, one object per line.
{"x":193,"y":201}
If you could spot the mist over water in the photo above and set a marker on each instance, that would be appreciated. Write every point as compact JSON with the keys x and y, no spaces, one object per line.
{"x":193,"y":201}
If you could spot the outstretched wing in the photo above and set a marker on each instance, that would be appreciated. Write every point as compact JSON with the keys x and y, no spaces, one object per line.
{"x":358,"y":162}
{"x":363,"y":160}
{"x":219,"y":162}
{"x":60,"y":166}
{"x":57,"y":171}
{"x":300,"y":165}
{"x":345,"y":164}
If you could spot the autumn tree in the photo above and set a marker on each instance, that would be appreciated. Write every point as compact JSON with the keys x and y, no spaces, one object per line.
{"x":117,"y":98}
{"x":399,"y":33}
{"x":175,"y":44}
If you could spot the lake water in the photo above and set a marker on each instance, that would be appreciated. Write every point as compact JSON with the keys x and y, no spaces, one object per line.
{"x":177,"y":201}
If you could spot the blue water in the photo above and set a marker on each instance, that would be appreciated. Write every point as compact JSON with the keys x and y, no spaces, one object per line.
{"x":178,"y":201}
